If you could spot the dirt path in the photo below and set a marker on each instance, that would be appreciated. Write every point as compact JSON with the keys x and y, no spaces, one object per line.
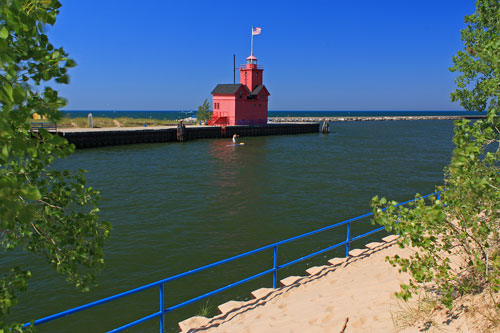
{"x":117,"y":123}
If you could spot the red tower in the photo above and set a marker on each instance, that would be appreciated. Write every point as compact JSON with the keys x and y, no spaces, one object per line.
{"x":251,"y":74}
{"x":244,"y":103}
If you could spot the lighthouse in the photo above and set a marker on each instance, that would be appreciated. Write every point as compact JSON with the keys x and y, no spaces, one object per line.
{"x":244,"y":103}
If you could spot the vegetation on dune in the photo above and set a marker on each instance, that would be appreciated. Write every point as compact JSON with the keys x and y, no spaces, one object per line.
{"x":46,"y":212}
{"x":458,"y":234}
{"x":100,"y":122}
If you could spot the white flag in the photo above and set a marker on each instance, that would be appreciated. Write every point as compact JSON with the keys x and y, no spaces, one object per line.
{"x":256,"y":31}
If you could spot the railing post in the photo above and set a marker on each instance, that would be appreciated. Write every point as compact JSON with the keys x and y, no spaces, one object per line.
{"x":348,"y":239}
{"x":162,"y":308}
{"x":399,"y":217}
{"x":275,"y":266}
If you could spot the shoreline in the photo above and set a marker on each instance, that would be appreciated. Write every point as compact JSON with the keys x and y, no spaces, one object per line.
{"x":125,"y":122}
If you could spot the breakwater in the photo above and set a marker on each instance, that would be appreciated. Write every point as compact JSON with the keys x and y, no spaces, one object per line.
{"x":99,"y":137}
{"x":380,"y":118}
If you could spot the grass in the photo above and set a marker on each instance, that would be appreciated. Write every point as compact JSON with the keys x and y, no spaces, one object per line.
{"x":479,"y":311}
{"x":419,"y":312}
{"x":99,"y":122}
{"x":485,"y":311}
{"x":205,"y":309}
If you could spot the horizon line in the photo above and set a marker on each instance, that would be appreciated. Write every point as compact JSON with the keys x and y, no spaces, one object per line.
{"x":182,"y":110}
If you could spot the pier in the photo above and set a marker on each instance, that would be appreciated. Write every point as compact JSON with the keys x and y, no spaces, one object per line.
{"x":112,"y":136}
{"x":99,"y":137}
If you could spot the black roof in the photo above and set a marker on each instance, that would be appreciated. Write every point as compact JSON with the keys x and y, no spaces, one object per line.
{"x":257,"y":89}
{"x":229,"y":89}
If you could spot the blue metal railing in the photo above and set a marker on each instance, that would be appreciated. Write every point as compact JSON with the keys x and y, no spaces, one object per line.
{"x":160,"y":284}
{"x":47,"y":126}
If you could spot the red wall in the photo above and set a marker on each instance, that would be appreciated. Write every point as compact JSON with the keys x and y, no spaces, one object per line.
{"x":252,"y":111}
{"x":226,"y":107}
{"x":242,"y":111}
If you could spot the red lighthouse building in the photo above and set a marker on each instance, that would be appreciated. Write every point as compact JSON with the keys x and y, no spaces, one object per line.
{"x":244,"y":103}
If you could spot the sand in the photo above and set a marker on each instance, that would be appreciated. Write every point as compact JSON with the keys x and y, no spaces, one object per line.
{"x":356,"y":294}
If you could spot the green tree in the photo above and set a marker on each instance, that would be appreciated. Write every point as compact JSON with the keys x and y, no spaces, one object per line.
{"x":203,"y":111}
{"x":458,"y":236}
{"x":47,"y":212}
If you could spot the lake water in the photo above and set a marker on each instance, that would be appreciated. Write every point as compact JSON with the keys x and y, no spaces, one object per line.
{"x":178,"y":206}
{"x":173,"y":115}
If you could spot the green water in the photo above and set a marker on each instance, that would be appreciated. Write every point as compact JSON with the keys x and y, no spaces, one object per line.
{"x":178,"y":206}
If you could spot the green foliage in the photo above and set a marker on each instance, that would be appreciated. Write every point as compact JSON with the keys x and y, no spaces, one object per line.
{"x":203,"y":111}
{"x":205,"y":309}
{"x":457,"y":237}
{"x":43,"y":211}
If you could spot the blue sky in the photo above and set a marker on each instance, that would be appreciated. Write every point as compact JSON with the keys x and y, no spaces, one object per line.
{"x":317,"y":55}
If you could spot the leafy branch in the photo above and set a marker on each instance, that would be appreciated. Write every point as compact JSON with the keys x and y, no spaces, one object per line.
{"x":47,"y":212}
{"x":457,"y":237}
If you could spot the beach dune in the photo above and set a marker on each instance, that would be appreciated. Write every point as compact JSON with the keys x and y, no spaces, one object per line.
{"x":354,"y":294}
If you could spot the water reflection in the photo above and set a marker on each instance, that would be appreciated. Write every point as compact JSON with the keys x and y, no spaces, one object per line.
{"x":235,"y":173}
{"x":226,"y":163}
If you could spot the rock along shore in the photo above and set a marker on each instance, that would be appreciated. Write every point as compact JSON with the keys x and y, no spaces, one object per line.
{"x":382,"y":118}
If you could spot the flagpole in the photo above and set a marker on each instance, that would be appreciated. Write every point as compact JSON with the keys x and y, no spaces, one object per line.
{"x":251,"y":45}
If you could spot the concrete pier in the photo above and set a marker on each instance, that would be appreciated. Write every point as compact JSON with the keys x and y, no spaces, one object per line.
{"x":99,"y":137}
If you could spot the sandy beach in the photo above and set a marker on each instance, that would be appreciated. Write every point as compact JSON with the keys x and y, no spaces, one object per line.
{"x":348,"y":295}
